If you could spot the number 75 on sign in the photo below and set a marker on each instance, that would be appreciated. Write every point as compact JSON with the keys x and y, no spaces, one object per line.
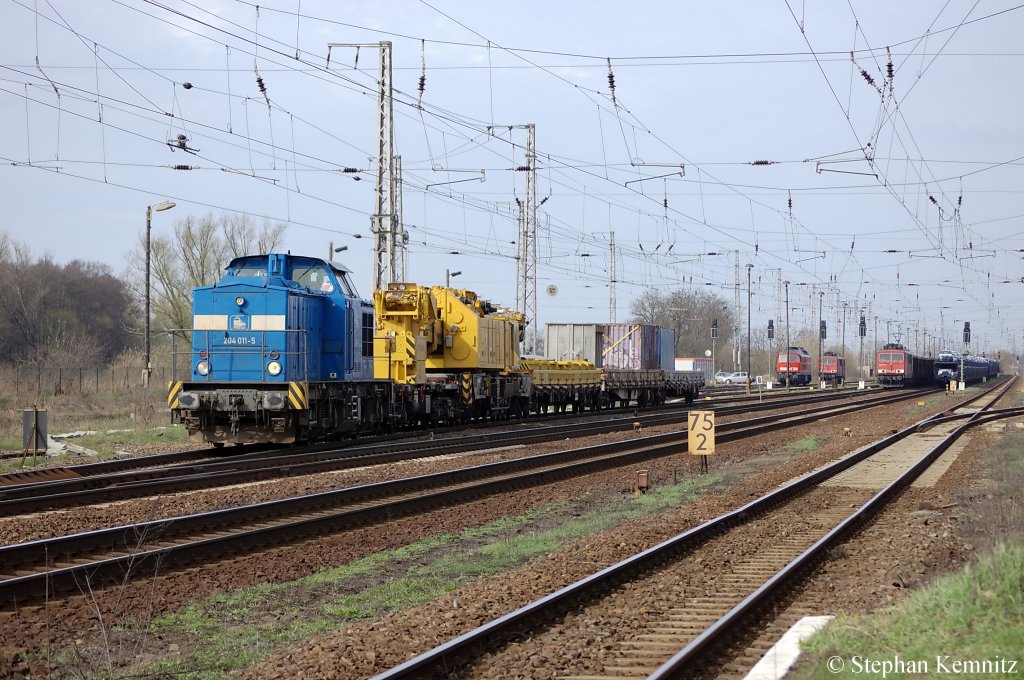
{"x":700,"y":436}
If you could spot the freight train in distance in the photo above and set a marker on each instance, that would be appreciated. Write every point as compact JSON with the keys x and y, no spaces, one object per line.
{"x":282,"y":349}
{"x":897,"y":366}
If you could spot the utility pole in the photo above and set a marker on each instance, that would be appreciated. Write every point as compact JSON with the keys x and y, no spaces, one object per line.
{"x":749,"y":371}
{"x":383,"y":222}
{"x":787,"y":336}
{"x":736,"y":318}
{"x":526,"y":278}
{"x":821,"y":334}
{"x":611,"y":281}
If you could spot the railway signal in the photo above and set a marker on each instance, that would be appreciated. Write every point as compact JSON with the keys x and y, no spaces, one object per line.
{"x":863,"y":326}
{"x":824,"y":330}
{"x":771,"y":329}
{"x":714,"y":329}
{"x":967,"y":332}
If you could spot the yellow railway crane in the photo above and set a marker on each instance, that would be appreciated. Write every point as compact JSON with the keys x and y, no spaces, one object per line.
{"x":456,"y":355}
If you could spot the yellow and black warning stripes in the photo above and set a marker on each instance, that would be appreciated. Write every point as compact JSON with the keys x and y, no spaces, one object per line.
{"x":173,"y":390}
{"x":466,"y":387}
{"x":410,"y":347}
{"x":298,"y":395}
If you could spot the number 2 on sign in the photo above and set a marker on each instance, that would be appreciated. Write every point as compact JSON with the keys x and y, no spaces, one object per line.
{"x":700,"y":436}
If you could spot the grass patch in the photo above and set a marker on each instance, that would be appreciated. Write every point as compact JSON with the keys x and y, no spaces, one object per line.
{"x":974,"y":614}
{"x":803,"y":445}
{"x":111,"y":442}
{"x":233,"y":630}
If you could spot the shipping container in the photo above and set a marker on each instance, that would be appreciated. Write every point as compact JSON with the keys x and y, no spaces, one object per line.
{"x":630,"y":346}
{"x":666,"y":349}
{"x":703,"y":364}
{"x":574,"y":342}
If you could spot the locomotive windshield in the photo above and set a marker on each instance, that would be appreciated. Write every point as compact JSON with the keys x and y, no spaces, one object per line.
{"x":314,"y":277}
{"x":887,"y":356}
{"x":251,"y":270}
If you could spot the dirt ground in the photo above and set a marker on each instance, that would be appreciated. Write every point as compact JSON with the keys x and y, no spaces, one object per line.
{"x":748,"y":468}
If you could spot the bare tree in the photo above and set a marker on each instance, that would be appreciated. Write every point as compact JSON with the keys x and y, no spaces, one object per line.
{"x":194,"y":256}
{"x":690,"y":314}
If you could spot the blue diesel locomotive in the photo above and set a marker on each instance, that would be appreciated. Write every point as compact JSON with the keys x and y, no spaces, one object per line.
{"x":281,"y":351}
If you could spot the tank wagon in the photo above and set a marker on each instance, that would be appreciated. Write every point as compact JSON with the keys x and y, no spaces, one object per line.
{"x":896,"y":366}
{"x":794,"y":364}
{"x":283,"y":349}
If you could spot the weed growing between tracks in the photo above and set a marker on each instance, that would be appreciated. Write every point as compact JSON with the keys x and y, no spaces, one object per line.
{"x":804,"y":445}
{"x":233,"y":630}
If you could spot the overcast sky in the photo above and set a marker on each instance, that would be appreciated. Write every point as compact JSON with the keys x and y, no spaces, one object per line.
{"x":905,"y":191}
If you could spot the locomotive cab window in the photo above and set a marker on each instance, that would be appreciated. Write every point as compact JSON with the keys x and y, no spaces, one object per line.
{"x":251,"y":270}
{"x":345,"y":283}
{"x":314,"y":277}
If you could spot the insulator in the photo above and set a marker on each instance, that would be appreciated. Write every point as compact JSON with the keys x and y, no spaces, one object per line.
{"x":350,"y":171}
{"x":611,"y":79}
{"x":959,"y":200}
{"x":522,"y":168}
{"x":867,"y":77}
{"x":423,"y":83}
{"x":263,"y":88}
{"x":789,"y":202}
{"x":762,"y":163}
{"x":664,"y":203}
{"x":183,"y":167}
{"x":187,"y":86}
{"x":932,"y":199}
{"x":888,"y":67}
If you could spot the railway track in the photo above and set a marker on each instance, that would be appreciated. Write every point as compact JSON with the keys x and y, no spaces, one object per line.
{"x":70,"y":490}
{"x":107,"y":467}
{"x":30,"y":571}
{"x":666,"y":612}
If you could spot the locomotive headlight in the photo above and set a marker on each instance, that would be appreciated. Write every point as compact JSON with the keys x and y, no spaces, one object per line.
{"x":274,"y":368}
{"x":203,"y":368}
{"x":239,"y":300}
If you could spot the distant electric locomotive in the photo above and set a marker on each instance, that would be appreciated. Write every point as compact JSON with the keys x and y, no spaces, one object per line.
{"x":832,"y":368}
{"x":896,"y":366}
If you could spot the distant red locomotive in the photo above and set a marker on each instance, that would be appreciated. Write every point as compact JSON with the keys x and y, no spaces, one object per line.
{"x":832,"y":368}
{"x":794,"y":364}
{"x":896,"y":366}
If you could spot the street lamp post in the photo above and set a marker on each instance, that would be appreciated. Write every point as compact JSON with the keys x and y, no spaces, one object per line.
{"x":448,"y":277}
{"x":163,"y":205}
{"x":749,"y":371}
{"x":333,"y":250}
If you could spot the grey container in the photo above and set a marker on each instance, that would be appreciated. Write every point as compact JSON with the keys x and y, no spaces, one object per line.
{"x":666,"y":349}
{"x":574,"y":342}
{"x":631,"y":346}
